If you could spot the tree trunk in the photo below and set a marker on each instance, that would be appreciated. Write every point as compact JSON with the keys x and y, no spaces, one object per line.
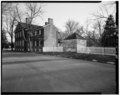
{"x":12,"y":43}
{"x":12,"y":38}
{"x":30,"y":46}
{"x":30,"y":43}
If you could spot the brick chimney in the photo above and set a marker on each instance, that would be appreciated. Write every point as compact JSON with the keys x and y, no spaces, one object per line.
{"x":28,"y":20}
{"x":50,"y":21}
{"x":46,"y":23}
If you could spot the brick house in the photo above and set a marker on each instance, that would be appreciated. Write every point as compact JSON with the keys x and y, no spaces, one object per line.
{"x":40,"y":36}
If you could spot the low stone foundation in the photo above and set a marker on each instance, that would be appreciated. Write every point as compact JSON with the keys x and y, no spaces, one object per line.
{"x":52,"y":49}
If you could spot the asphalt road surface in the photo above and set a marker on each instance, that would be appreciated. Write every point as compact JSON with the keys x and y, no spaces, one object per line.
{"x":40,"y":73}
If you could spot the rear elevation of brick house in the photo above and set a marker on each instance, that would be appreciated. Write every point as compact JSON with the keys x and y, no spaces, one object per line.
{"x":41,"y":36}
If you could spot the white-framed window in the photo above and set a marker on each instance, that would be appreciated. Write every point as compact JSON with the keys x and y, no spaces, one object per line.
{"x":28,"y":44}
{"x":35,"y":33}
{"x":35,"y":43}
{"x":19,"y":34}
{"x":39,"y":32}
{"x":16,"y":43}
{"x":16,"y":35}
{"x":20,"y":43}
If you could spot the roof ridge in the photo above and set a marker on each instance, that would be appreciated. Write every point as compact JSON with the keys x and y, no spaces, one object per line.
{"x":74,"y":36}
{"x":30,"y":24}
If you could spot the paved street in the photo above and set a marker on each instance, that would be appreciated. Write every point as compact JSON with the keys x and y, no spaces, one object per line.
{"x":41,"y":73}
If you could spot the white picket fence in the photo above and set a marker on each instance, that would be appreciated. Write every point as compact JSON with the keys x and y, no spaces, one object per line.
{"x":86,"y":50}
{"x":52,"y":49}
{"x":96,"y":50}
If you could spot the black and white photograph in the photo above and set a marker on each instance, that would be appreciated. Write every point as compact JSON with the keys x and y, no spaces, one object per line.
{"x":59,"y":47}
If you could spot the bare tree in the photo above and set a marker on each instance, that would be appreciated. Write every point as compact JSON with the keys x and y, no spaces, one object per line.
{"x":105,"y":10}
{"x":80,"y":30}
{"x":3,"y":39}
{"x":96,"y":33}
{"x":34,"y":10}
{"x":12,"y":25}
{"x":10,"y":19}
{"x":90,"y":35}
{"x":19,"y":14}
{"x":92,"y":38}
{"x":98,"y":28}
{"x":6,"y":7}
{"x":86,"y":28}
{"x":100,"y":17}
{"x":102,"y":13}
{"x":16,"y":15}
{"x":73,"y":26}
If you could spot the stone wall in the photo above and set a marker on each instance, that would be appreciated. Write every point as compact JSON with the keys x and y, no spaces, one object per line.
{"x":52,"y":49}
{"x":69,"y":45}
{"x":72,"y":44}
{"x":96,"y":50}
{"x":82,"y":43}
{"x":82,"y":48}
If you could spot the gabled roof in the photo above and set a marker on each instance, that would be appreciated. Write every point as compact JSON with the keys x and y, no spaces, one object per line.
{"x":29,"y":26}
{"x":74,"y":36}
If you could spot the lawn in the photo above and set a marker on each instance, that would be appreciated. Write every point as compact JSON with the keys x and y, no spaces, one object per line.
{"x":73,"y":55}
{"x":89,"y":57}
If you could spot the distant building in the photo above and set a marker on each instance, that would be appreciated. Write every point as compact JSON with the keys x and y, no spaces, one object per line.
{"x":72,"y":42}
{"x":40,"y":36}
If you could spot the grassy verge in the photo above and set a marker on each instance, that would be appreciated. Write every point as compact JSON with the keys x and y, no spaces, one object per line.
{"x":73,"y":55}
{"x":89,"y":57}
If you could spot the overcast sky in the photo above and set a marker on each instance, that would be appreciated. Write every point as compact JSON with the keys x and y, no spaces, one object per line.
{"x":62,"y":12}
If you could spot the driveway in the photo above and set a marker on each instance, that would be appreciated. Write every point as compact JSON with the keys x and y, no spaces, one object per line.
{"x":40,"y":73}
